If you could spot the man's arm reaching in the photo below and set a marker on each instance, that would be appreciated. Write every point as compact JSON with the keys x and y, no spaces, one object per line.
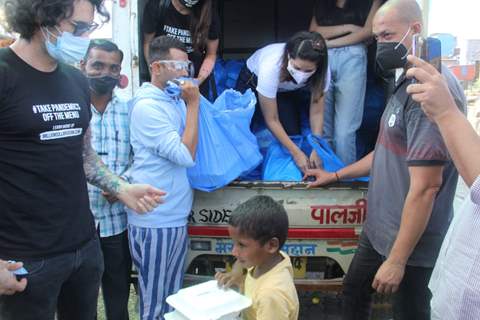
{"x":139,"y":197}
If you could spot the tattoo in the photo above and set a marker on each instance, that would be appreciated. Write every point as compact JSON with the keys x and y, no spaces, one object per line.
{"x":96,"y":171}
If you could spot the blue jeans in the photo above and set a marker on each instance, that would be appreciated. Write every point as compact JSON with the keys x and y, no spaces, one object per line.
{"x":411,"y":301}
{"x":344,"y":99}
{"x":67,"y":283}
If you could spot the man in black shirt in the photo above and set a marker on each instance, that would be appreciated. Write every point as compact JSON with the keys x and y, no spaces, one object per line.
{"x":45,"y":162}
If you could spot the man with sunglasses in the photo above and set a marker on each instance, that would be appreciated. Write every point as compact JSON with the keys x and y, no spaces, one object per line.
{"x":110,"y":125}
{"x":163,"y":134}
{"x":46,"y":159}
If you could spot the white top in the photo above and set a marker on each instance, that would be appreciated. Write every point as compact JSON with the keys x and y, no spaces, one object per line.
{"x":265,"y":63}
{"x":455,"y":281}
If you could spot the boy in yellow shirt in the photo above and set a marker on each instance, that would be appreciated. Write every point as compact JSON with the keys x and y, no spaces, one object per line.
{"x":259,"y":228}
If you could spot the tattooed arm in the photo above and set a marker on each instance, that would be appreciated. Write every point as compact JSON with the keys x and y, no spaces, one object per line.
{"x":96,"y":171}
{"x":139,"y":197}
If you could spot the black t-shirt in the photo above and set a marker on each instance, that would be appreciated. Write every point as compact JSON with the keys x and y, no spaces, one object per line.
{"x":44,"y":208}
{"x":354,"y":12}
{"x":177,"y":25}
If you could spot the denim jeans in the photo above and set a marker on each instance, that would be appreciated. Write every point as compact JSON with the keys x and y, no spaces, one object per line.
{"x":67,"y":284}
{"x":411,"y":301}
{"x":344,"y":99}
{"x":116,"y":277}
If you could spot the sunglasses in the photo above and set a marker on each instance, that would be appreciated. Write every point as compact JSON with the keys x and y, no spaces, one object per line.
{"x":180,"y":65}
{"x":82,"y":27}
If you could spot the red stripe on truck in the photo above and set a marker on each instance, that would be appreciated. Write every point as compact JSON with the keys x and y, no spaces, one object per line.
{"x":293,"y":233}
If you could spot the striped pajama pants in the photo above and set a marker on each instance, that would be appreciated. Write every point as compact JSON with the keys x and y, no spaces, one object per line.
{"x":159,"y":257}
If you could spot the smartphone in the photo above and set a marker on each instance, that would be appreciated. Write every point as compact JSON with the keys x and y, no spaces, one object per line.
{"x":428,"y":49}
{"x":19,"y":273}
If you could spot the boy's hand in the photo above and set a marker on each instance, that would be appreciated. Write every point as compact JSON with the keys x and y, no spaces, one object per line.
{"x":232,"y":278}
{"x":190,"y":93}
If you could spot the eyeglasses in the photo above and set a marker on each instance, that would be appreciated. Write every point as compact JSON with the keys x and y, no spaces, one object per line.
{"x":180,"y":65}
{"x":82,"y":27}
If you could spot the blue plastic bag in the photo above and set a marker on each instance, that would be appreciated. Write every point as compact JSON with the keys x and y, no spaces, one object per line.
{"x":226,"y":148}
{"x":264,"y":139}
{"x":279,"y":164}
{"x":331,"y":162}
{"x":226,"y":73}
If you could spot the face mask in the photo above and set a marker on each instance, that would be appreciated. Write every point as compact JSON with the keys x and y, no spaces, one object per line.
{"x":68,"y":49}
{"x":189,"y":3}
{"x":173,"y":87}
{"x":102,"y":85}
{"x":300,"y":77}
{"x":392,"y":55}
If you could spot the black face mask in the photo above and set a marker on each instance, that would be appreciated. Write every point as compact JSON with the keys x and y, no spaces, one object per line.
{"x":391,"y":55}
{"x":103,"y":85}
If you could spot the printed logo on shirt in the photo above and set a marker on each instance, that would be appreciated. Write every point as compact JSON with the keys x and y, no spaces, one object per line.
{"x":59,"y":134}
{"x":391,"y":121}
{"x":182,"y":35}
{"x":61,"y":111}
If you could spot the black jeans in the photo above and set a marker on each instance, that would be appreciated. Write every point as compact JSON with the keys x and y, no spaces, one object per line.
{"x":292,"y":106}
{"x":67,"y":283}
{"x":116,"y":277}
{"x":410,"y":302}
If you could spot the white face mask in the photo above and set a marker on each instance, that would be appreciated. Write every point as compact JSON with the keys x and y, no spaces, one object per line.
{"x":300,"y":77}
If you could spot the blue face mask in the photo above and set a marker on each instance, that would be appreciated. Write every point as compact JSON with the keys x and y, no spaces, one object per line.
{"x":68,"y":49}
{"x":173,"y":88}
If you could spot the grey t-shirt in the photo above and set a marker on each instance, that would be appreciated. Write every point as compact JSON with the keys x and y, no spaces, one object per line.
{"x":408,"y":138}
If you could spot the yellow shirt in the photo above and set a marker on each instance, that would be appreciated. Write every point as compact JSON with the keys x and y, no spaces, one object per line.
{"x":273,"y":294}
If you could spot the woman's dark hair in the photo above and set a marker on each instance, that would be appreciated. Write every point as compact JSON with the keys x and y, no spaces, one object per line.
{"x":201,"y":19}
{"x":27,"y":16}
{"x":261,"y":218}
{"x":308,"y":46}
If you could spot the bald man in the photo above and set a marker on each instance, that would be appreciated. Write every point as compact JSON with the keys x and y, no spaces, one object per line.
{"x":412,"y":185}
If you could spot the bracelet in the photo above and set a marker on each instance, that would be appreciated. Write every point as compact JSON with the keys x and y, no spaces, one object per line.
{"x":336,"y":175}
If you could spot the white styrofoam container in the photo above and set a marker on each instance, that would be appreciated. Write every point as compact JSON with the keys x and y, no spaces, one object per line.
{"x":206,"y":301}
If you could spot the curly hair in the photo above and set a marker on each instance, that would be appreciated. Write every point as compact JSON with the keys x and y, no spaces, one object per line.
{"x":25,"y":17}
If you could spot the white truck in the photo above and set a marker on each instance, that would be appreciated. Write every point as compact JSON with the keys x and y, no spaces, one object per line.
{"x":324,"y":222}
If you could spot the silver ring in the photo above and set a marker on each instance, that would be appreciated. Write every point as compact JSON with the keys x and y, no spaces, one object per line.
{"x":182,"y":82}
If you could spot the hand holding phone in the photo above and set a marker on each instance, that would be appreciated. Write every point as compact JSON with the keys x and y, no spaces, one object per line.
{"x":10,"y":283}
{"x":19,"y":272}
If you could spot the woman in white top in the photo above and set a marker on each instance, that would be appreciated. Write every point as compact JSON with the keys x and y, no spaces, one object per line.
{"x":279,"y":74}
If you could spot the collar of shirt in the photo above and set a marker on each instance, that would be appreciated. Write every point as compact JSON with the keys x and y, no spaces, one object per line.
{"x":115,"y":99}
